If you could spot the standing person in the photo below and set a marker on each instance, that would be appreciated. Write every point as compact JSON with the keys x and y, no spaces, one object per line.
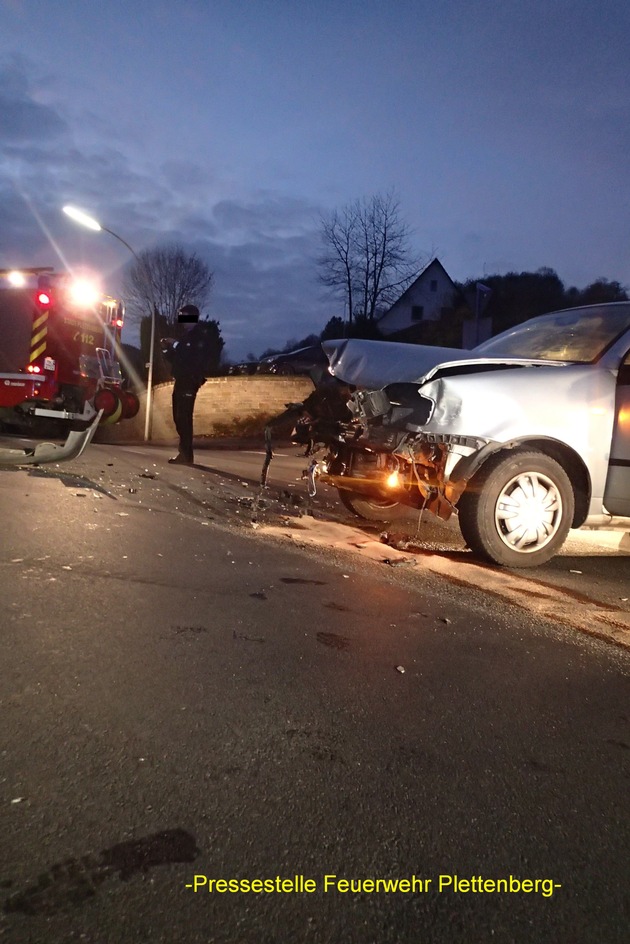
{"x":186,"y":359}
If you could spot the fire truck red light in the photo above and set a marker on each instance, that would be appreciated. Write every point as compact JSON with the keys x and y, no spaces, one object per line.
{"x":43,"y":298}
{"x":119,"y":323}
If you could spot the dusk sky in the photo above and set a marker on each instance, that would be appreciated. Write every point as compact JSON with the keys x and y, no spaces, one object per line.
{"x":231,"y":126}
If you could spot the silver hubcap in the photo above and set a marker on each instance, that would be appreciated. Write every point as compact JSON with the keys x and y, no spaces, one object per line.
{"x":528,"y":512}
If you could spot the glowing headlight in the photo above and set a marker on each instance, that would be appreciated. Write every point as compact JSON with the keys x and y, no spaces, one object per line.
{"x":84,"y":293}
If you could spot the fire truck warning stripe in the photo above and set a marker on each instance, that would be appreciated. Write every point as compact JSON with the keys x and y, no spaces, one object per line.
{"x":40,"y":330}
{"x":35,"y":354}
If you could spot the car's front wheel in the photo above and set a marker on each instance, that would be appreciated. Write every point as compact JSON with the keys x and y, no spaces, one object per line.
{"x":373,"y":509}
{"x":518,"y":510}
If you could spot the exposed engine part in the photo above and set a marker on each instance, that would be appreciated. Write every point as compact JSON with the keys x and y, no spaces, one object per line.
{"x":366,"y":451}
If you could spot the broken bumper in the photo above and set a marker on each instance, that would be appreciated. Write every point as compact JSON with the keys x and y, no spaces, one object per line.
{"x":51,"y":452}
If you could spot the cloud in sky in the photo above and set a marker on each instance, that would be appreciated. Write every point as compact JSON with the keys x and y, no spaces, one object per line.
{"x":231,"y":128}
{"x":261,"y":250}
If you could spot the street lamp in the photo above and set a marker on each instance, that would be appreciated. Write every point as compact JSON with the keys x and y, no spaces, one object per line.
{"x":88,"y":221}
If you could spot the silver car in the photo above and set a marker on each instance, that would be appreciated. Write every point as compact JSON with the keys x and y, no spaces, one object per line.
{"x":527,"y":435}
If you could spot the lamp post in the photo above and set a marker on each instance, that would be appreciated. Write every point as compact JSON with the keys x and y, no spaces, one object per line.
{"x":90,"y":223}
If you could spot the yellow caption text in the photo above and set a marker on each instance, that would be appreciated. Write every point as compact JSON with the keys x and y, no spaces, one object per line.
{"x":410,"y":885}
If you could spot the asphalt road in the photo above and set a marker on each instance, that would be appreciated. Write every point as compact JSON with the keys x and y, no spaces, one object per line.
{"x":595,"y":564}
{"x":184,"y":695}
{"x":586,"y":585}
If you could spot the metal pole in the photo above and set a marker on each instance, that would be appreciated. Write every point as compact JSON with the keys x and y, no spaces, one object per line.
{"x":476,"y":314}
{"x":149,"y":410}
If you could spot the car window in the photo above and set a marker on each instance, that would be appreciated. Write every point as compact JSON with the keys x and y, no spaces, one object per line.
{"x":577,"y":335}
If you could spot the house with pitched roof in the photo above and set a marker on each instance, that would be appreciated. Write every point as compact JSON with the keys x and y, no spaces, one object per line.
{"x":433,"y":310}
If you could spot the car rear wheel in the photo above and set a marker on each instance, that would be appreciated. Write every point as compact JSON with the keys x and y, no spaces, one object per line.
{"x":373,"y":509}
{"x":518,"y":510}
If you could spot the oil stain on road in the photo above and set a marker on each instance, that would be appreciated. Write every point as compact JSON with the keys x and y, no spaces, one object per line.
{"x":77,"y":880}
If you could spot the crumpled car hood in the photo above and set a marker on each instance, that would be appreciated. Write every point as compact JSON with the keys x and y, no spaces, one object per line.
{"x":375,"y":364}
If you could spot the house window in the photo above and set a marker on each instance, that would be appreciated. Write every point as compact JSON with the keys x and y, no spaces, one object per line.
{"x":433,"y":285}
{"x":417,"y":312}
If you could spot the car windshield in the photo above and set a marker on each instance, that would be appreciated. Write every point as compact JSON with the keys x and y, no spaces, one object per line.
{"x":578,"y":335}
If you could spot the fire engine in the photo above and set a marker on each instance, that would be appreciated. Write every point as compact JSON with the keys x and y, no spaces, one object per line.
{"x":59,"y":344}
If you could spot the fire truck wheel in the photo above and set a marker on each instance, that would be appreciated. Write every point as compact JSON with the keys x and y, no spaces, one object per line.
{"x":130,"y":405}
{"x":106,"y":400}
{"x":115,"y":416}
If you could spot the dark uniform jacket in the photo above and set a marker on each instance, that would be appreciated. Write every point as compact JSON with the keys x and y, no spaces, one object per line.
{"x":187,"y":359}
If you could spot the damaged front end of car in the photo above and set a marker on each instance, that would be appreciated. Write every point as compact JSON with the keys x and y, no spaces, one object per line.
{"x":371,"y":445}
{"x":384,"y":463}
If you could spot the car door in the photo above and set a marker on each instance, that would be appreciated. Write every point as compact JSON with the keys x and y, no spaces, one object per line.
{"x":617,"y":492}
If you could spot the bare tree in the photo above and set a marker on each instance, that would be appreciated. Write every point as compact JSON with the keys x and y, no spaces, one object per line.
{"x":338,"y":262}
{"x":168,"y":277}
{"x":367,"y":259}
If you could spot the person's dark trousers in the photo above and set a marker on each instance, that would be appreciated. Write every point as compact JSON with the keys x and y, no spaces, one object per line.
{"x":183,"y":408}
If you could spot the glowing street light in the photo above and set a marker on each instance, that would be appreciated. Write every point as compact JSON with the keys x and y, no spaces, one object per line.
{"x":16,"y":279}
{"x":90,"y":223}
{"x":80,"y":217}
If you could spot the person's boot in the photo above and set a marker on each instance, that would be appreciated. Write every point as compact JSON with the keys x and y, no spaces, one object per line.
{"x":179,"y":459}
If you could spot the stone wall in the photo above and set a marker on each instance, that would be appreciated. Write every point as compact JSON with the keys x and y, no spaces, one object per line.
{"x":220,"y":400}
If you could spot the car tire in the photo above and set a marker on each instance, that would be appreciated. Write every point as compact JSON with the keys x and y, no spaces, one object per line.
{"x":286,"y":371}
{"x":373,"y":509}
{"x":517,"y":510}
